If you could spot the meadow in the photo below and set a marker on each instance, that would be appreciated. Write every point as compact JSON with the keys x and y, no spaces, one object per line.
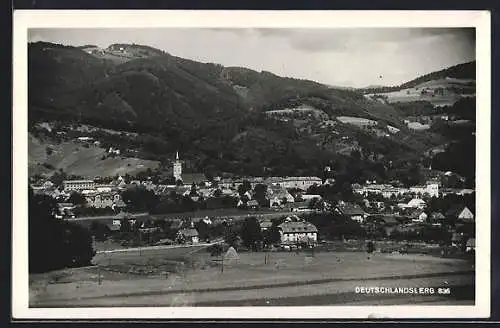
{"x":190,"y":276}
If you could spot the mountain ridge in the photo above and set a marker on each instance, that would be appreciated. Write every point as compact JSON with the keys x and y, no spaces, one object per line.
{"x":215,"y":114}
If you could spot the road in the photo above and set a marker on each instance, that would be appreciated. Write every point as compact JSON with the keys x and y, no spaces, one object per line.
{"x":159,"y":247}
{"x":237,"y":215}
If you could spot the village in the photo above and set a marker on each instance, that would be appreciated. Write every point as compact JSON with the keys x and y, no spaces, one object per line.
{"x":196,"y":209}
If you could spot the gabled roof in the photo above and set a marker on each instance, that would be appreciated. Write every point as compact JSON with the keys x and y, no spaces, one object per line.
{"x":188,"y":232}
{"x":297,"y":227}
{"x":266,"y":224}
{"x":252,"y":202}
{"x":455,"y":210}
{"x":416,"y":202}
{"x":176,"y":224}
{"x":351,"y":209}
{"x":190,"y":178}
{"x":389,"y":219}
{"x":303,"y":204}
{"x":416,"y":213}
{"x":437,"y":216}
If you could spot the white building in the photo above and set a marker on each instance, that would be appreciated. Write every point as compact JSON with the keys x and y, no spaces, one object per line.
{"x":78,"y":185}
{"x":295,"y":230}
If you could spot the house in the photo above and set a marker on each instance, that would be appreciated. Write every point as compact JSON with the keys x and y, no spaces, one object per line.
{"x":352,"y":211}
{"x":309,"y":197}
{"x":418,"y":216}
{"x":188,"y":236}
{"x":47,"y":185}
{"x":115,"y":151}
{"x":389,"y":220}
{"x":279,"y":195}
{"x":303,"y":183}
{"x":65,"y":210}
{"x":265,"y":225}
{"x":460,"y":213}
{"x":436,"y":218}
{"x":431,"y":188}
{"x":102,"y":200}
{"x":470,"y":245}
{"x":416,"y":203}
{"x":295,"y":230}
{"x":253,"y":204}
{"x":456,"y":239}
{"x":298,"y":206}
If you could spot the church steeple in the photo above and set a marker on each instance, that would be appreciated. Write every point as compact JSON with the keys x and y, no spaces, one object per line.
{"x":177,"y":167}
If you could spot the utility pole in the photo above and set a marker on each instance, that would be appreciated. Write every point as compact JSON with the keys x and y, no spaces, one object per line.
{"x":222,"y":262}
{"x":99,"y":274}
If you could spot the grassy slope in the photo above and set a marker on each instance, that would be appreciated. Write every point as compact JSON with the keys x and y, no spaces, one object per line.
{"x":75,"y":159}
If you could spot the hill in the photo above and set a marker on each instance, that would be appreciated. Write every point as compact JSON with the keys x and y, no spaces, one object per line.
{"x":465,"y":71}
{"x":46,"y":157}
{"x":220,"y":118}
{"x":440,"y":88}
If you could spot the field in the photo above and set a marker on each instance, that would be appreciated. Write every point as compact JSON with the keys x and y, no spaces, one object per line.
{"x":189,"y":276}
{"x":358,"y":121}
{"x":414,"y":94}
{"x":76,"y":159}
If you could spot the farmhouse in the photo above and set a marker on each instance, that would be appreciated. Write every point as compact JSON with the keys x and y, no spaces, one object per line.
{"x":418,"y":216}
{"x":295,"y":230}
{"x":352,"y":211}
{"x":188,"y":236}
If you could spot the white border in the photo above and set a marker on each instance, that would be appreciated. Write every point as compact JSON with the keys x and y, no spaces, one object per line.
{"x":24,"y":19}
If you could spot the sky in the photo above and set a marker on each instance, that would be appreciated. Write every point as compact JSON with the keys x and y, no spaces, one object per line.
{"x":351,"y":57}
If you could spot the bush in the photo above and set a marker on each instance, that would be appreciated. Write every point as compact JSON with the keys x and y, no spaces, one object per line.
{"x":370,"y":247}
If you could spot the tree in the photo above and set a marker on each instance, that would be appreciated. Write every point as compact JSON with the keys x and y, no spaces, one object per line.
{"x":260,"y":192}
{"x":99,"y":230}
{"x":77,"y":199}
{"x":272,"y":235}
{"x":370,"y":247}
{"x":54,"y":244}
{"x":244,"y":187}
{"x":250,"y":232}
{"x":139,"y":199}
{"x":58,"y":177}
{"x":203,"y":229}
{"x":217,"y":193}
{"x":193,"y":191}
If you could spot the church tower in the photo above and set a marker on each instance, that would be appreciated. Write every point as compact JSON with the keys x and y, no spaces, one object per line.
{"x":177,"y":168}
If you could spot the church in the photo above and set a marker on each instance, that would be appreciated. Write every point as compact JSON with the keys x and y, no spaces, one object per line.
{"x":186,"y":178}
